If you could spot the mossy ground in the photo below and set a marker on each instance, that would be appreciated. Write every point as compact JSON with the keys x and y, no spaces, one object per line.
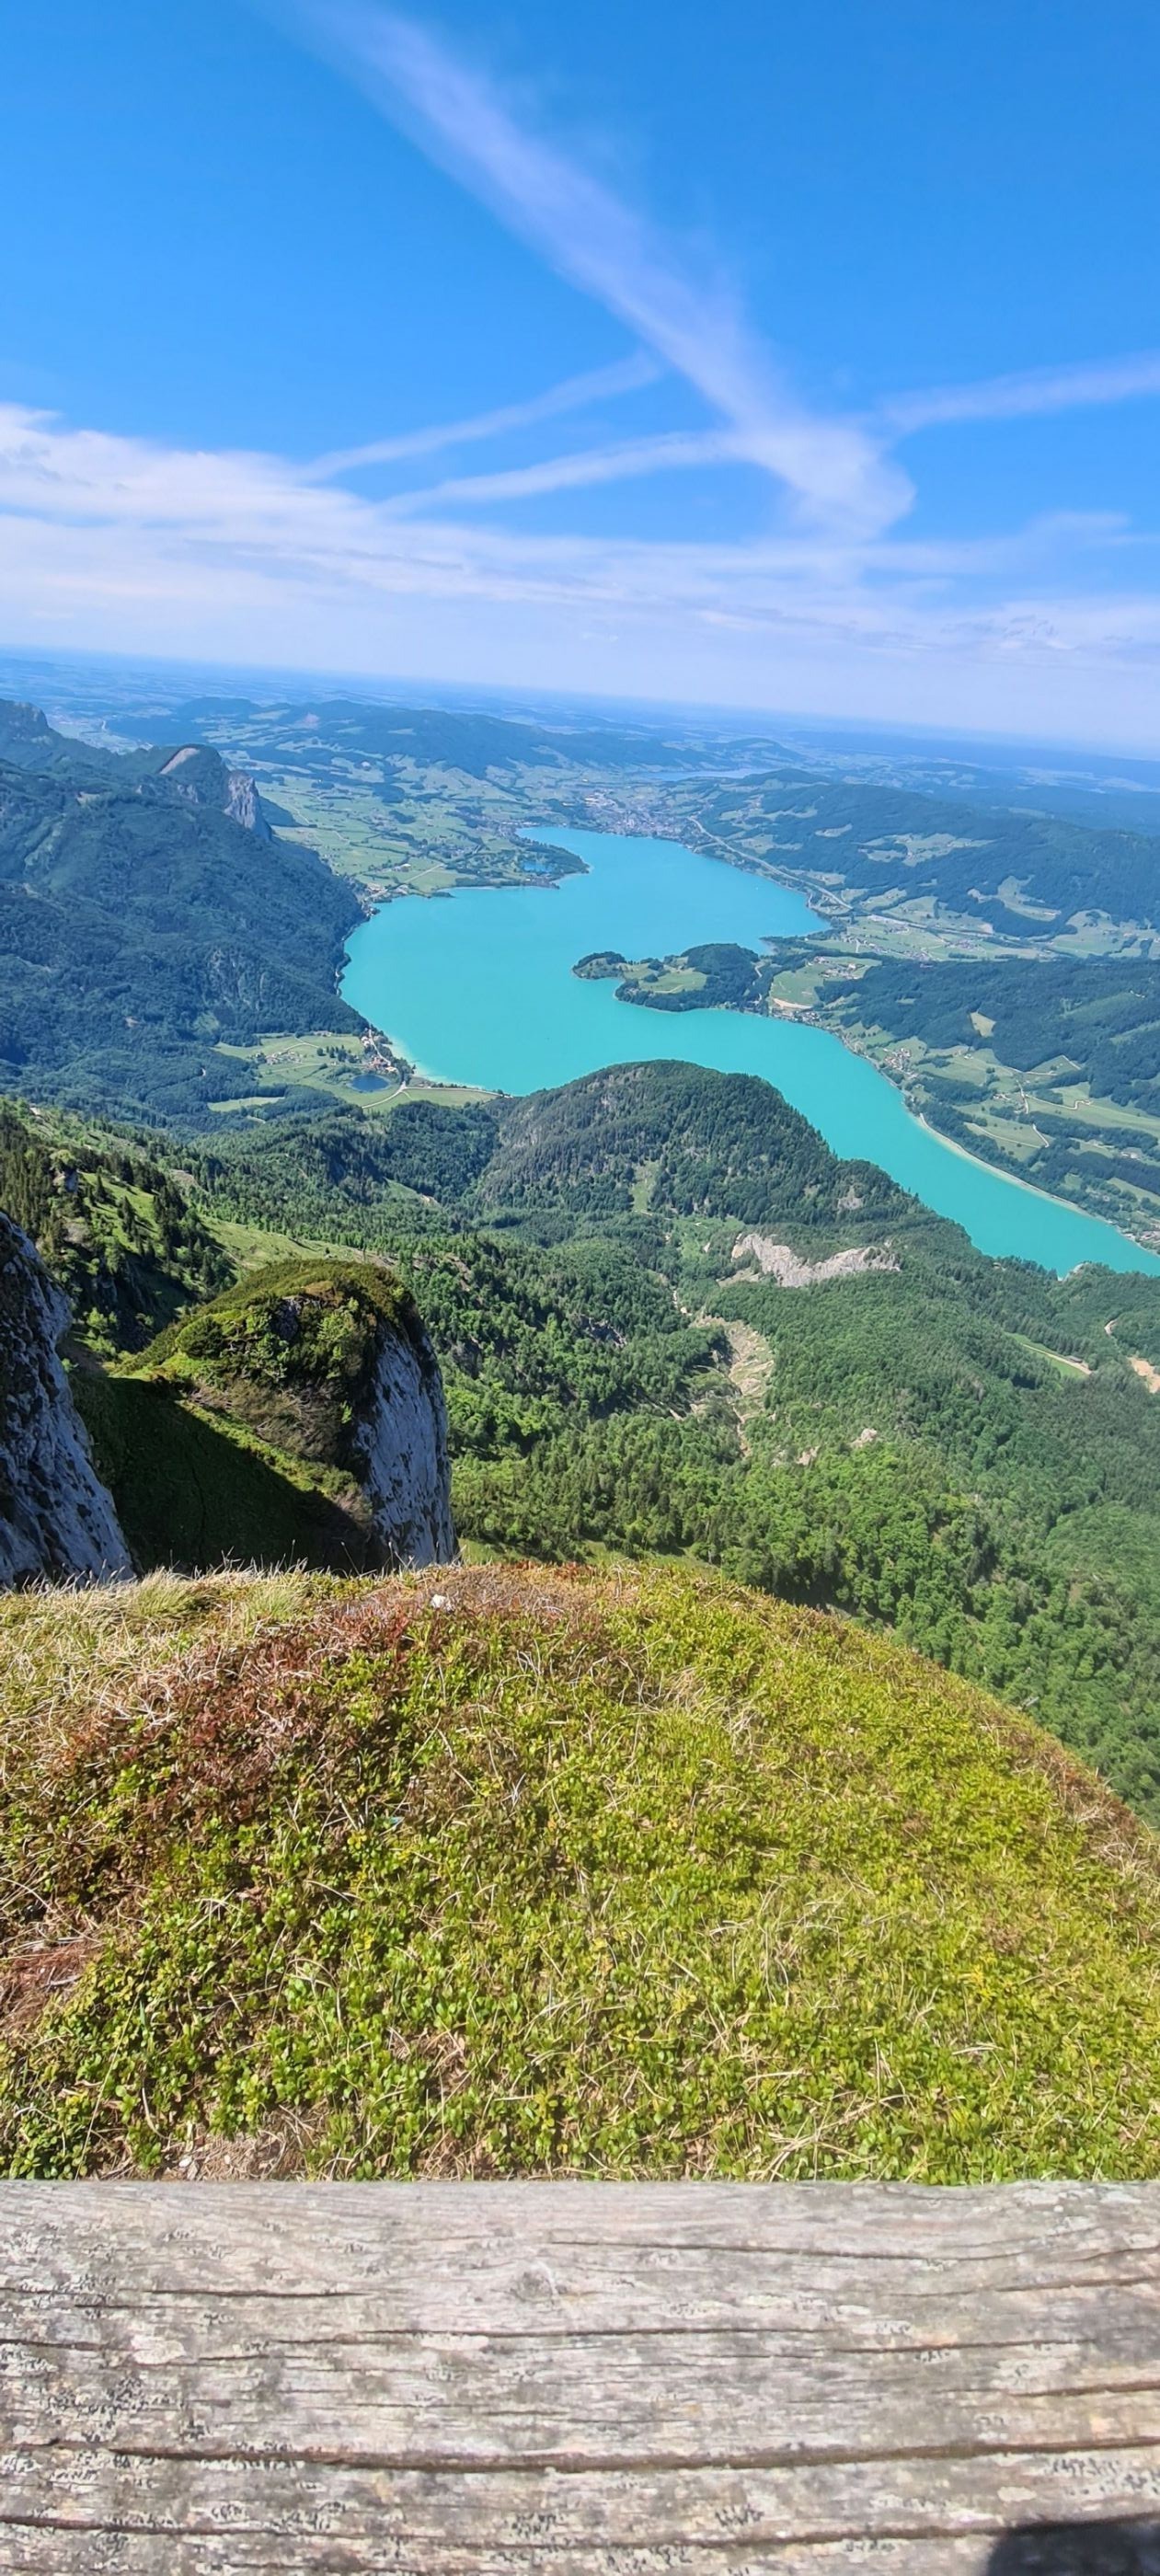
{"x":506,"y":1872}
{"x":302,"y":1331}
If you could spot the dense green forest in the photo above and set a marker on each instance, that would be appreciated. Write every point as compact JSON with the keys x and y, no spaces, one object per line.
{"x":629,"y":1139}
{"x":685,"y":1140}
{"x":1101,"y":1013}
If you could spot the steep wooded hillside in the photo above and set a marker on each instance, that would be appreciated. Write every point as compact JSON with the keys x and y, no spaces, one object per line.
{"x":113,"y":1223}
{"x":145,"y":916}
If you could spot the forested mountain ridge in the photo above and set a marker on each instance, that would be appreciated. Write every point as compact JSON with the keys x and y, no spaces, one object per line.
{"x":190,"y":773}
{"x":1095,"y":1020}
{"x":146,"y":919}
{"x":630,"y":1140}
{"x":471,"y":742}
{"x":1029,"y":874}
{"x":683,"y":1139}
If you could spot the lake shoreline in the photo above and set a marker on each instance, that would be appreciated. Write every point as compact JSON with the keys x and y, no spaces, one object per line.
{"x":479,"y":991}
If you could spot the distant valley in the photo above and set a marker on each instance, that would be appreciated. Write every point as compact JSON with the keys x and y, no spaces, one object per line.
{"x":397,"y":800}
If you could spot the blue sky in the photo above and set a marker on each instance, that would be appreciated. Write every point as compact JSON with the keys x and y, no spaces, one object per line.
{"x":800,"y":358}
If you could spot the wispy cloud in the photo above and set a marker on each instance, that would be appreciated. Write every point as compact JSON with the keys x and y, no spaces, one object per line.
{"x":123,"y":542}
{"x":672,"y":451}
{"x":593,"y":237}
{"x":1040,"y":390}
{"x":839,"y":469}
{"x":577,"y":393}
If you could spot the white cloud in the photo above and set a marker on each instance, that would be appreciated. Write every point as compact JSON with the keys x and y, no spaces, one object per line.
{"x":835,"y":469}
{"x":673,"y":450}
{"x":124,"y":544}
{"x":121,"y":542}
{"x":1040,"y":390}
{"x":838,"y":469}
{"x":577,"y":393}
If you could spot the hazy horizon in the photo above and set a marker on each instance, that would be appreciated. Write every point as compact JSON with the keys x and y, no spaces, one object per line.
{"x":23,"y":669}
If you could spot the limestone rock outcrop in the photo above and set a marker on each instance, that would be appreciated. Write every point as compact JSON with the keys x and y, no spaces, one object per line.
{"x":199,"y":776}
{"x":399,"y":1449}
{"x":56,"y":1518}
{"x":322,"y":1377}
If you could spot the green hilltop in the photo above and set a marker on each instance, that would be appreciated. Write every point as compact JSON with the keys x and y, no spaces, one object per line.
{"x":501,"y":1872}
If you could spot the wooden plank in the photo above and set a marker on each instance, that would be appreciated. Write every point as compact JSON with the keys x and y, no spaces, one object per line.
{"x":467,"y":2380}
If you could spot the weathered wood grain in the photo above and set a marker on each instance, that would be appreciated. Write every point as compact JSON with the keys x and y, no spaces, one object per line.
{"x":469,"y":2380}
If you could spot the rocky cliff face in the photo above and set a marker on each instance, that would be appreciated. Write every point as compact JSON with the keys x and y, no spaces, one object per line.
{"x":199,"y":776}
{"x":244,"y":804}
{"x":307,"y":1407}
{"x":399,"y":1450}
{"x":56,"y":1518}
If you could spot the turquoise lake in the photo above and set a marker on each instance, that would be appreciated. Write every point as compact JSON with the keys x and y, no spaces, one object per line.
{"x":477,"y":987}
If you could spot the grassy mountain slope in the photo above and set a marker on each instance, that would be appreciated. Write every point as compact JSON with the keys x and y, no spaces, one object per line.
{"x":229,"y":1441}
{"x":532,"y":1874}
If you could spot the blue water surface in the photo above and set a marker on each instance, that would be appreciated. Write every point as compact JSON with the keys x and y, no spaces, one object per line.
{"x":477,"y":987}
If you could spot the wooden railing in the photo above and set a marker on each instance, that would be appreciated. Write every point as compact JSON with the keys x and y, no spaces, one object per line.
{"x":257,"y":2379}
